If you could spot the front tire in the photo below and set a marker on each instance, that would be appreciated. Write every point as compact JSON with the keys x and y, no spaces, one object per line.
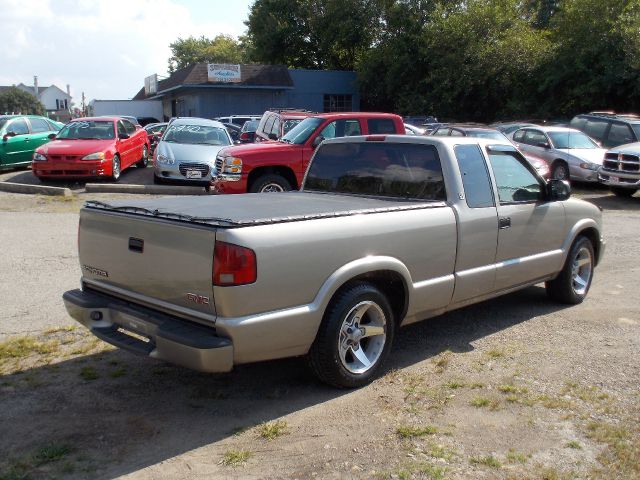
{"x":270,"y":183}
{"x":115,"y":168}
{"x":572,"y":284}
{"x":354,"y":338}
{"x":144,"y":161}
{"x":623,"y":192}
{"x":560,"y":171}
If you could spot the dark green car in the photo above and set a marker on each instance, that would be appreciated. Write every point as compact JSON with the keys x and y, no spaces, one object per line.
{"x":20,"y":135}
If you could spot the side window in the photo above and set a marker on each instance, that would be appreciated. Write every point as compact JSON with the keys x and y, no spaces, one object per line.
{"x":535,"y":138}
{"x":341,"y":128}
{"x":595,"y":129}
{"x":352,"y":128}
{"x":456,"y":133}
{"x":578,"y":123}
{"x":442,"y":132}
{"x":275,"y":129}
{"x":129,"y":127}
{"x":18,"y":126}
{"x":514,"y":180}
{"x":519,"y":136}
{"x":381,"y":125}
{"x":619,"y":133}
{"x":121,"y":129}
{"x":268,"y":125}
{"x":330,"y":130}
{"x":39,"y":125}
{"x":475,"y":177}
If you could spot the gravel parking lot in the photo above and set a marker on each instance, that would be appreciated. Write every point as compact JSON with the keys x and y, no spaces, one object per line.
{"x":515,"y":388}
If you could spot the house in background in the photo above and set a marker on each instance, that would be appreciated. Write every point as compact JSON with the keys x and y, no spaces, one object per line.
{"x":56,"y":101}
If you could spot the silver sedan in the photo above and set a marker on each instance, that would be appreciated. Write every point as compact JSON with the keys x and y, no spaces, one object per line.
{"x":187,"y":151}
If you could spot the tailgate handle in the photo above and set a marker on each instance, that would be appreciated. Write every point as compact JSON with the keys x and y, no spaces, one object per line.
{"x":136,"y":244}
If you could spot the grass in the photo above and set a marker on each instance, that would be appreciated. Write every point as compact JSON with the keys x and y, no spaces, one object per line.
{"x":454,"y":385}
{"x":440,"y":451}
{"x":119,"y":372}
{"x":272,"y":430}
{"x":405,"y":431}
{"x":442,"y":361}
{"x":51,"y":453}
{"x":551,"y":402}
{"x":574,"y":444}
{"x":20,"y":347}
{"x":512,"y":389}
{"x":487,"y":460}
{"x":415,"y":469}
{"x":495,"y":353}
{"x":516,"y":457}
{"x":485,"y":402}
{"x":235,"y":458}
{"x":621,"y":458}
{"x":89,"y":374}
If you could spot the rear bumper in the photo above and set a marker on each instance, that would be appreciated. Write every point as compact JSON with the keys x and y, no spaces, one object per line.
{"x":168,"y":338}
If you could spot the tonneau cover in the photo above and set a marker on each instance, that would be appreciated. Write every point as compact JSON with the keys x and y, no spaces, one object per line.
{"x":258,"y":208}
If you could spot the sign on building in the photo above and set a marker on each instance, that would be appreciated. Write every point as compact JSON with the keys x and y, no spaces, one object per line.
{"x":151,"y":84}
{"x":222,"y":72}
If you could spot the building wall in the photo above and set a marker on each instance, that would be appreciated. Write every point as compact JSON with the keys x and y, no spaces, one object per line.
{"x":312,"y":85}
{"x":137,"y":108}
{"x":49,"y":96}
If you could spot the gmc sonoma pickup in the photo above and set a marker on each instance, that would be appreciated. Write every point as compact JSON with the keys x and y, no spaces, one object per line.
{"x":386,"y":231}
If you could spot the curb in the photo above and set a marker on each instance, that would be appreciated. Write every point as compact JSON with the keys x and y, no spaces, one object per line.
{"x":143,"y":189}
{"x":38,"y":189}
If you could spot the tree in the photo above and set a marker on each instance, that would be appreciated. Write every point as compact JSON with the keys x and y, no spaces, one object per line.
{"x":15,"y":100}
{"x":191,"y":50}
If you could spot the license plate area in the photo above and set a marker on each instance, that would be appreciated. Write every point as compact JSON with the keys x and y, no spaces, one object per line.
{"x":614,"y":179}
{"x":194,"y":174}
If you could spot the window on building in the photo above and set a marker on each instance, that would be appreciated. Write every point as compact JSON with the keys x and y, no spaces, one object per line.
{"x":337,"y":103}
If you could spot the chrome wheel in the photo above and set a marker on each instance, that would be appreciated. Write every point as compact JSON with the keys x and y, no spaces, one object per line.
{"x":272,"y":187}
{"x":362,"y":337}
{"x":115,"y":169}
{"x":560,"y":172}
{"x":581,"y":269}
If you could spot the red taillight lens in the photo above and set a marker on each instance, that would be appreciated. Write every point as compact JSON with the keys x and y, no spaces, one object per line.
{"x":244,"y":136}
{"x":233,"y":265}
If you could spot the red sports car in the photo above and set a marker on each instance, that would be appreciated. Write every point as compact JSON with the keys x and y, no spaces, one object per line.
{"x":92,"y":147}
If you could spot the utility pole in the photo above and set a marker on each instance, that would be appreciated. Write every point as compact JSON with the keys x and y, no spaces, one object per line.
{"x":84,"y":108}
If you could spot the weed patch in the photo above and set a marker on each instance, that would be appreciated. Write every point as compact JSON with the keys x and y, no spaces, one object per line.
{"x":406,"y":431}
{"x":271,"y":430}
{"x":235,"y":458}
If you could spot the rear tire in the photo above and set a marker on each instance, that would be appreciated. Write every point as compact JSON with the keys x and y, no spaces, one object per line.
{"x":270,"y":183}
{"x":623,"y":192}
{"x":354,"y":338}
{"x":572,"y":284}
{"x":144,"y":161}
{"x":115,"y":168}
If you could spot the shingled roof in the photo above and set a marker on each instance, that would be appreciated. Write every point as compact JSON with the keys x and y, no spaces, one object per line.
{"x":250,"y":75}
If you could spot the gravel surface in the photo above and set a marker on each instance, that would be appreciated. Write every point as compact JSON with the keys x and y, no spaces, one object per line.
{"x":514,"y":388}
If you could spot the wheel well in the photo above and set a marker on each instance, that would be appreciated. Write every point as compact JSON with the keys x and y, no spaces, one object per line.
{"x":594,"y":237}
{"x":284,"y":172}
{"x":558,"y":160}
{"x":391,"y":284}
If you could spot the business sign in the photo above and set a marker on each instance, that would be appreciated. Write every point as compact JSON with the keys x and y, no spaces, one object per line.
{"x":151,"y":85}
{"x":222,"y":72}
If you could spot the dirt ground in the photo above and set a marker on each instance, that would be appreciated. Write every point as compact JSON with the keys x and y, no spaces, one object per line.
{"x":514,"y":388}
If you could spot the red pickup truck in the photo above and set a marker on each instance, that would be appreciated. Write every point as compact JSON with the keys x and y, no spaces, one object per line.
{"x":279,"y":166}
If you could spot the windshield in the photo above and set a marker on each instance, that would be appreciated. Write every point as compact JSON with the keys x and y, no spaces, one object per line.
{"x":410,"y":171}
{"x":301,"y":132}
{"x":488,"y":134}
{"x":87,"y":130}
{"x":289,"y":124}
{"x":636,"y":129}
{"x":250,"y":126}
{"x":196,"y":135}
{"x":566,"y":140}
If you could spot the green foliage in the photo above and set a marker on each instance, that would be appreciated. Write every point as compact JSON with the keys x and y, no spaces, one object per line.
{"x":15,"y":100}
{"x":222,"y":49}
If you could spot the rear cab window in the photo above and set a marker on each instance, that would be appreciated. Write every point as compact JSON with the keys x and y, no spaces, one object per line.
{"x":394,"y":170}
{"x":381,"y":126}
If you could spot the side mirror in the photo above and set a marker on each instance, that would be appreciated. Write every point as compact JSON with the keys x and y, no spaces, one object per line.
{"x":317,"y":141}
{"x":8,"y":135}
{"x":273,"y":136}
{"x":544,"y":145}
{"x":123,"y":136}
{"x":558,"y":190}
{"x":51,"y":136}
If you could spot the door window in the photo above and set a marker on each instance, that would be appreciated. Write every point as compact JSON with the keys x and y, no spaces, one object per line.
{"x":519,"y":136}
{"x":129,"y":127}
{"x":619,"y":134}
{"x":18,"y":126}
{"x":39,"y":125}
{"x":514,"y":180}
{"x":595,"y":129}
{"x":534,"y":137}
{"x":121,"y":129}
{"x":475,"y":177}
{"x":341,"y":128}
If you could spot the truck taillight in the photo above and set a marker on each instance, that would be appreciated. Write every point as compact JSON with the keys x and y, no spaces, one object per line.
{"x":233,"y":265}
{"x":244,"y":136}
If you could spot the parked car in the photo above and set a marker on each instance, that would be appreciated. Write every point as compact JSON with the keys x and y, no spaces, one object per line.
{"x":621,"y":169}
{"x":388,"y":230}
{"x":187,"y":151}
{"x":413,"y":130}
{"x":20,"y":135}
{"x":608,"y":128}
{"x":279,"y":166}
{"x":248,"y":131}
{"x":237,"y":119}
{"x":569,"y":153}
{"x":276,"y":123}
{"x":234,"y":131}
{"x":144,"y":121}
{"x":154,"y":132}
{"x":507,"y":128}
{"x":92,"y":147}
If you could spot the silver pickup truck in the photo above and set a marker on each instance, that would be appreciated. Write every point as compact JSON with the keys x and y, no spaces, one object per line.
{"x":386,"y":231}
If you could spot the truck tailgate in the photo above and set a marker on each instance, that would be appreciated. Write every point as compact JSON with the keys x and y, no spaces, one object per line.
{"x":159,"y":263}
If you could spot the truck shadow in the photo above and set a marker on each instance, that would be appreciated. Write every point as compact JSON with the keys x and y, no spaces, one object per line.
{"x":611,"y":202}
{"x":133,"y":412}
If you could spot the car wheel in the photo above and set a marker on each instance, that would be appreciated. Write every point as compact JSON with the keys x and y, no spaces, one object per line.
{"x":572,"y":284}
{"x":560,"y":171}
{"x":623,"y":192}
{"x":144,"y":161}
{"x":115,"y":168}
{"x":354,"y":338}
{"x":270,"y":183}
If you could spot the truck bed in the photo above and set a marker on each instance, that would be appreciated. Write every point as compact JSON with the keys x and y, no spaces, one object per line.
{"x":233,"y":211}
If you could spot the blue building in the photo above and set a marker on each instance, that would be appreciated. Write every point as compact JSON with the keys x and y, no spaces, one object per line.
{"x":195,"y":92}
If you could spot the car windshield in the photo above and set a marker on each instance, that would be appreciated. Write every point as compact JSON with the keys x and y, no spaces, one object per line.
{"x":487,"y":134}
{"x":87,"y":130}
{"x":301,"y":132}
{"x":250,"y":126}
{"x":289,"y":124}
{"x":565,"y":140}
{"x":196,"y":135}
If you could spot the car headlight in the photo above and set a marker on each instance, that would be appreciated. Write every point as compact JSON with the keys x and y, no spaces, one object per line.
{"x":94,"y":156}
{"x":164,"y":159}
{"x":38,"y":157}
{"x":231,"y":165}
{"x":589,"y":166}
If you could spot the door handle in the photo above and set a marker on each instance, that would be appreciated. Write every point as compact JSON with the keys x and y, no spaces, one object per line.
{"x":504,"y":222}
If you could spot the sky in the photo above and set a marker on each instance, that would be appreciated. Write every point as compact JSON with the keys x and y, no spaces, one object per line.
{"x":104,"y":48}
